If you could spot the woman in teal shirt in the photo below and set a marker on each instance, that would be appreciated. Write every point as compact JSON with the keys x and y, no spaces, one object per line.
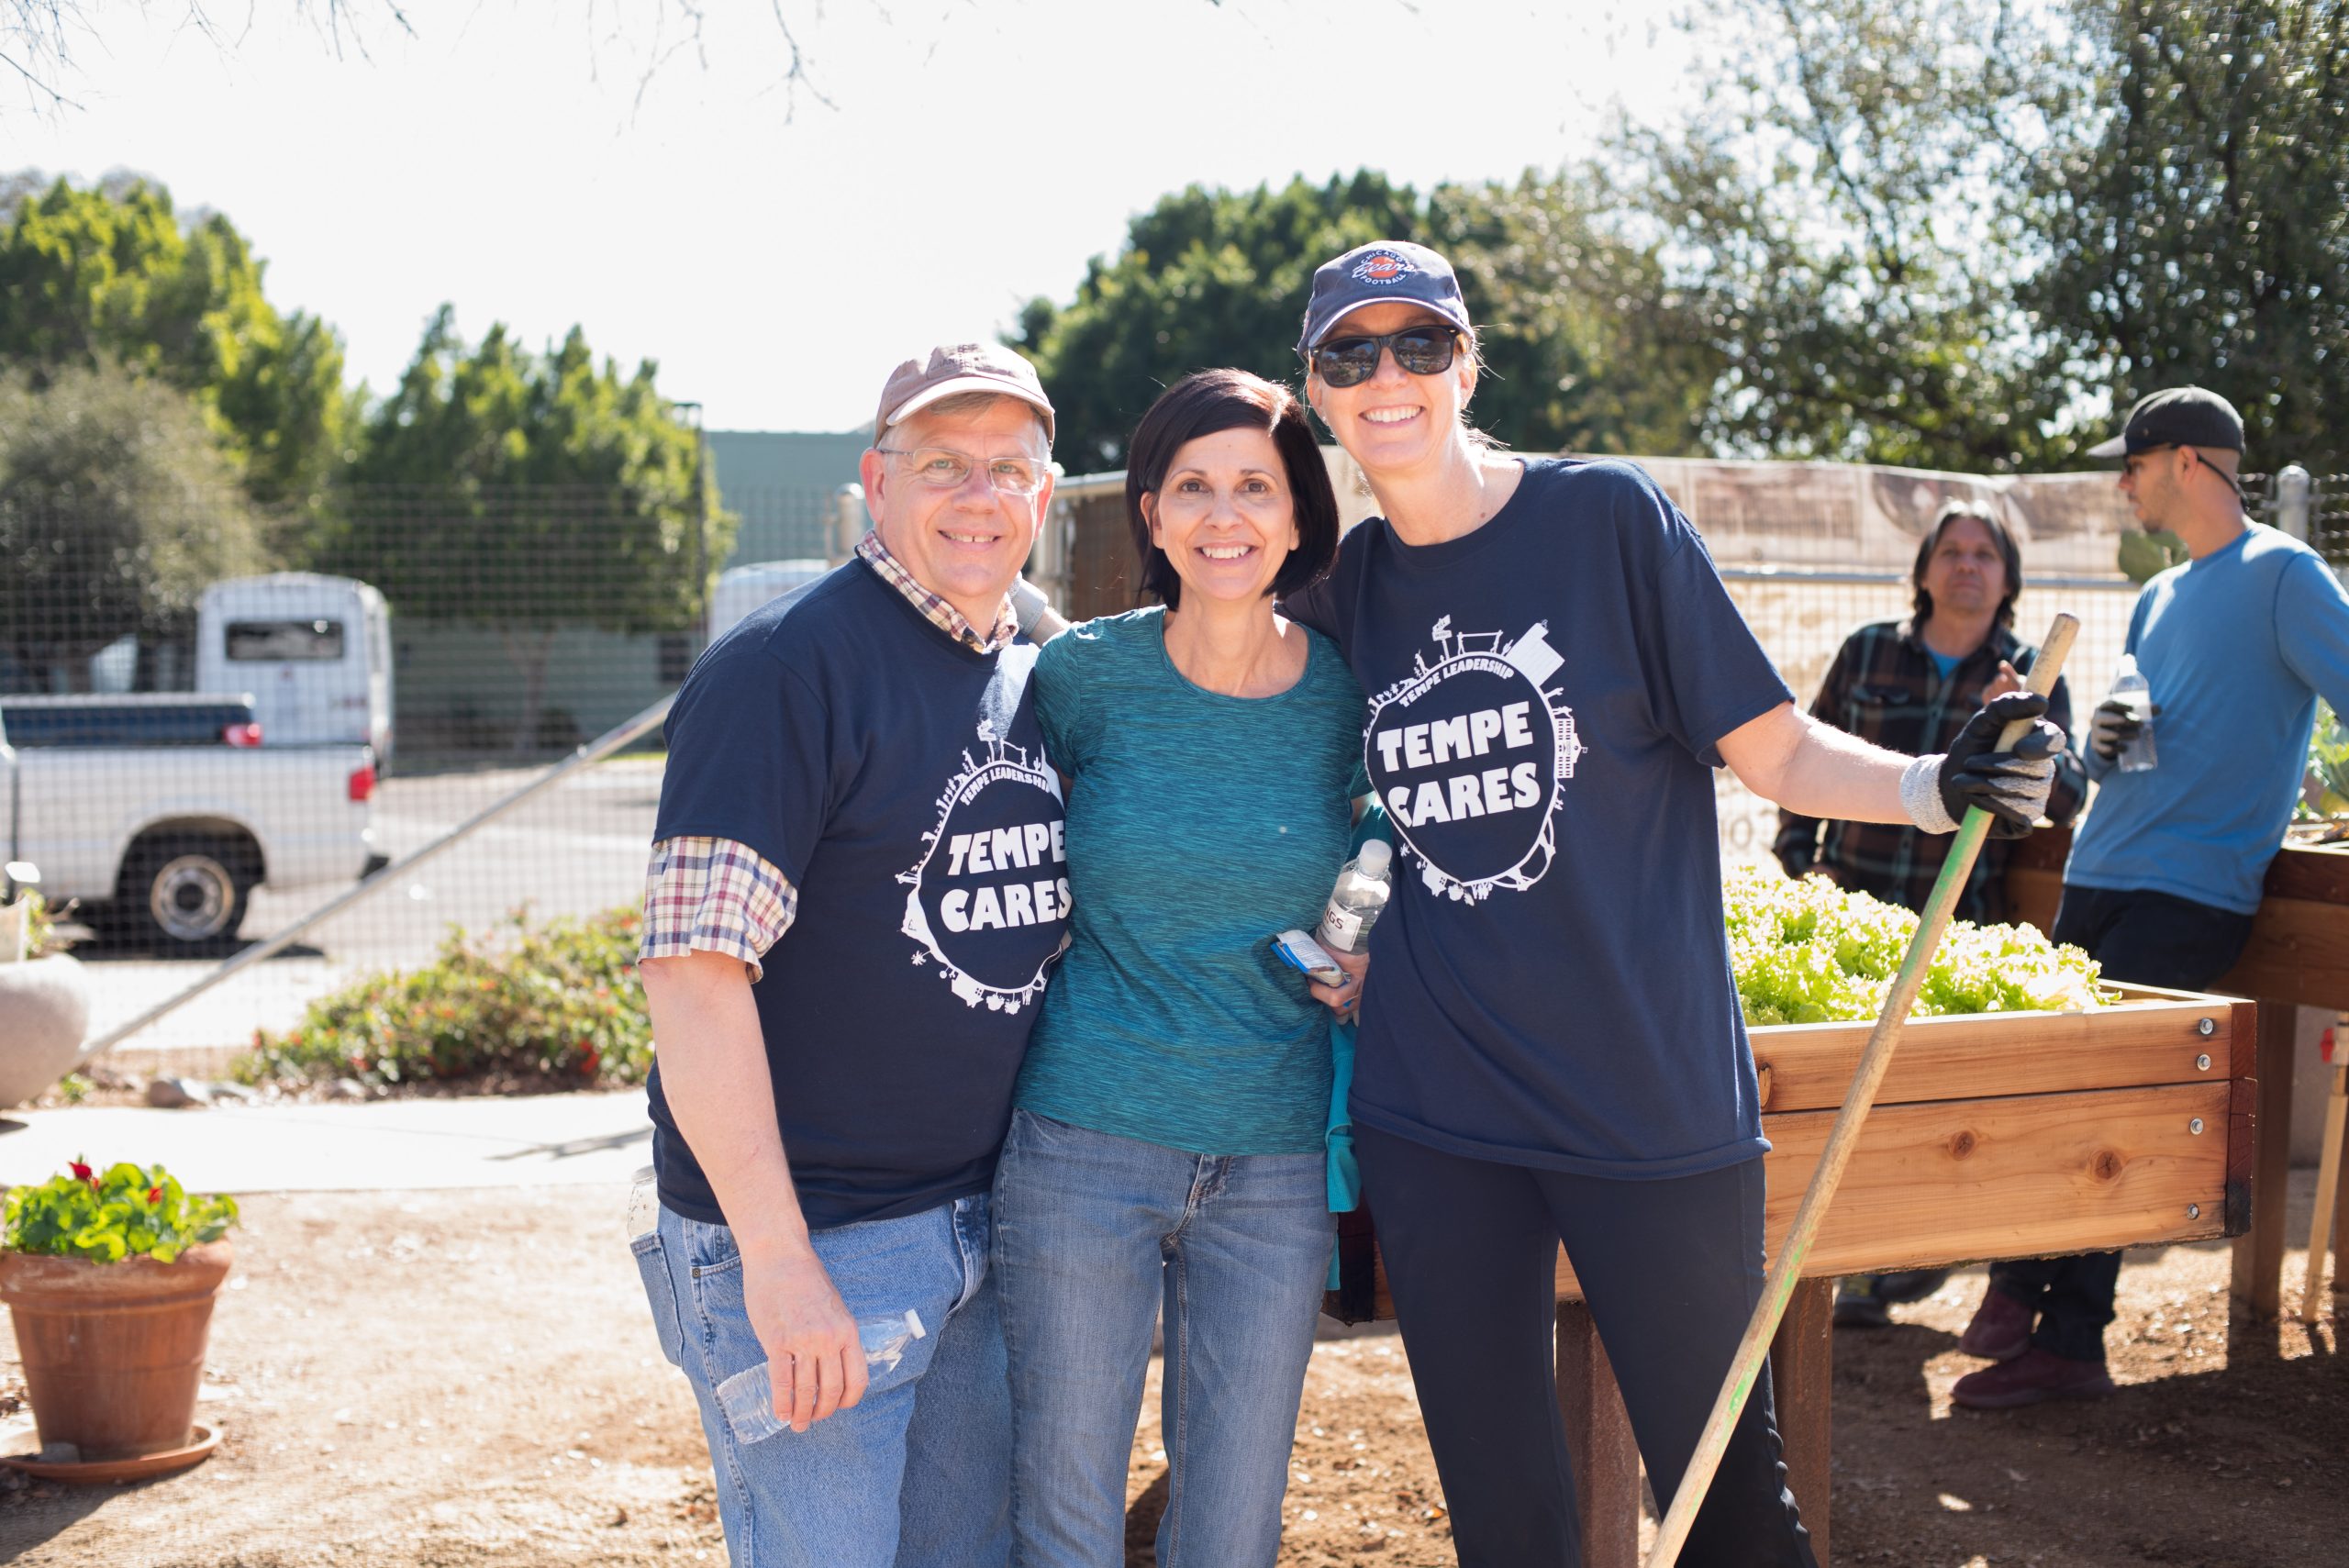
{"x":1168,"y":1140}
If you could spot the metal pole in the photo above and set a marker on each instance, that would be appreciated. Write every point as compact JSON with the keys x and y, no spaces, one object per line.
{"x":2293,"y":487}
{"x":588,"y":755}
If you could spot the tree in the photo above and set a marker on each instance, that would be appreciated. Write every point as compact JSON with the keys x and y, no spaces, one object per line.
{"x":1954,"y":233}
{"x":112,"y":275}
{"x":2194,"y":207}
{"x":529,"y":492}
{"x":1589,"y":347}
{"x":1834,"y":212}
{"x":1207,"y":277}
{"x":117,"y":509}
{"x":1580,"y":343}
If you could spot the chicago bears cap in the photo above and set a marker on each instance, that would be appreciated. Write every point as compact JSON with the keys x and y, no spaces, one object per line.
{"x":961,"y":367}
{"x":1372,"y":273}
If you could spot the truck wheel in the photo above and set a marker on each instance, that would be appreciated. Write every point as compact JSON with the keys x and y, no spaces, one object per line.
{"x":186,"y":893}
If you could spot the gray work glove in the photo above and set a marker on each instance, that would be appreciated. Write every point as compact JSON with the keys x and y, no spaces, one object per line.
{"x":2112,"y":727}
{"x":2010,"y":785}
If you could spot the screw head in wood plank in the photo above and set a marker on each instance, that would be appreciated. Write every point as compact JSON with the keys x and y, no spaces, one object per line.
{"x":2206,"y":1027}
{"x":2202,"y":1063}
{"x":2195,"y":1127}
{"x":2193,"y":1211}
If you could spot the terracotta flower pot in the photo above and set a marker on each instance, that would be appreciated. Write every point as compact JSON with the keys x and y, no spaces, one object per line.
{"x":113,"y":1352}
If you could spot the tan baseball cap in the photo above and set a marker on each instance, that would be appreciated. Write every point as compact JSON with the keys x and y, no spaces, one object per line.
{"x":961,"y":367}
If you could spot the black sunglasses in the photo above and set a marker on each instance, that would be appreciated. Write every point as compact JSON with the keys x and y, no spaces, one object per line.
{"x":1418,"y":351}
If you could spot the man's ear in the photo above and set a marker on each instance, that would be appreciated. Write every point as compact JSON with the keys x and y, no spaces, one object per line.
{"x":873,"y":470}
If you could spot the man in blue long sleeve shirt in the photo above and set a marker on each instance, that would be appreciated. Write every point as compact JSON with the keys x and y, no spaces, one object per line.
{"x":2236,"y":644}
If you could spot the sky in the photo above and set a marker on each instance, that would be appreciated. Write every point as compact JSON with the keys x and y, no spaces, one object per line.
{"x":543,"y":163}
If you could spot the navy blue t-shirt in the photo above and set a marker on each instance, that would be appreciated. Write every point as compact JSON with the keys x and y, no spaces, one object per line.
{"x":900,"y":780}
{"x":1551,"y":985}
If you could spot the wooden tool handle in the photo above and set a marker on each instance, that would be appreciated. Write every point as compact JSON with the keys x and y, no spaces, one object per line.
{"x":2045,"y":670}
{"x":1778,"y":1289}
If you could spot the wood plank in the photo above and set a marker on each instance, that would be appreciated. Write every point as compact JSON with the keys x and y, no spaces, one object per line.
{"x":1598,"y":1440}
{"x":2257,"y":1272}
{"x":2033,"y":894}
{"x":2036,"y":1175}
{"x":1802,"y":1379}
{"x":2243,"y":1118}
{"x":2298,"y":952}
{"x":1951,"y":1181}
{"x":2318,"y":871}
{"x":2341,"y":1239}
{"x":1810,"y":1066}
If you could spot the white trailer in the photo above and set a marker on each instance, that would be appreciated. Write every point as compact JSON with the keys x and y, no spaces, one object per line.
{"x":314,"y":650}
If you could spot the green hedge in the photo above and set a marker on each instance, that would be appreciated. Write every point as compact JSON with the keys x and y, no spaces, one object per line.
{"x":558,"y":1001}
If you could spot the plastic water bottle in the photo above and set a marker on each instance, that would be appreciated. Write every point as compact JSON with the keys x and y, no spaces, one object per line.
{"x":643,"y":1204}
{"x":1354,"y":903}
{"x":2131,"y":690}
{"x":748,"y":1397}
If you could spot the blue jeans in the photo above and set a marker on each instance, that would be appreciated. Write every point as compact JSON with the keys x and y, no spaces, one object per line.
{"x":917,"y":1474}
{"x":1092,"y":1231}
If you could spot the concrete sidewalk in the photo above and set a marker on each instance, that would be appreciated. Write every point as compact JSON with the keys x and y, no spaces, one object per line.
{"x":390,"y":1145}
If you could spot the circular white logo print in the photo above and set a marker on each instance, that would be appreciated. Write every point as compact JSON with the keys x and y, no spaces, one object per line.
{"x":1470,"y":755}
{"x":988,"y":901}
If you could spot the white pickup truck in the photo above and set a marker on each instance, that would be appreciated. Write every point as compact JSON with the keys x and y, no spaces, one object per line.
{"x":164,"y":829}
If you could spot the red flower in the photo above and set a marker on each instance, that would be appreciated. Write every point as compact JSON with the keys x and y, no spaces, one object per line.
{"x":154,"y":1195}
{"x":82,"y":1172}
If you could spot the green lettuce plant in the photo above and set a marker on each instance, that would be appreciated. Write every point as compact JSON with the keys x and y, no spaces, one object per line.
{"x":126,"y":1213}
{"x":1806,"y":951}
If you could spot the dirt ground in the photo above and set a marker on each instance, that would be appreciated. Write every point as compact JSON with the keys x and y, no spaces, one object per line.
{"x":451,"y":1379}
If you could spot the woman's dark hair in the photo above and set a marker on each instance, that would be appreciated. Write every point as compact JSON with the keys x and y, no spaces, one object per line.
{"x":2007,"y":552}
{"x":1206,"y":402}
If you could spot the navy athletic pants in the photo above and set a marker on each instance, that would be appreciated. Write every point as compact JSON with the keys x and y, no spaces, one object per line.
{"x":1671,"y":1270}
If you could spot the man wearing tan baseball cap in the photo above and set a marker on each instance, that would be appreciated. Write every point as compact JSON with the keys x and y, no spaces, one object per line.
{"x":857,"y":892}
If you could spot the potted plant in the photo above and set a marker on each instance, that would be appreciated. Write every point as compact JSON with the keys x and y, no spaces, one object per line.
{"x":44,"y":998}
{"x":110,"y":1280}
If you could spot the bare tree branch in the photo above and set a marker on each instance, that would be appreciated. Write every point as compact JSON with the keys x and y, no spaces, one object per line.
{"x":35,"y":47}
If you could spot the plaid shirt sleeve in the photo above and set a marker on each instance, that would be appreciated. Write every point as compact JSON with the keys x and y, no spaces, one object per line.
{"x":704,"y":895}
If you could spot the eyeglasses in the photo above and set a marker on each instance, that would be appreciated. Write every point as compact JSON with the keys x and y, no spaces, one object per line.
{"x":1420,"y":351}
{"x":942,"y":468}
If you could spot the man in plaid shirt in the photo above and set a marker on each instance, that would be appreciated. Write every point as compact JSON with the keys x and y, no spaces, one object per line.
{"x":858,"y":887}
{"x":1910,"y":686}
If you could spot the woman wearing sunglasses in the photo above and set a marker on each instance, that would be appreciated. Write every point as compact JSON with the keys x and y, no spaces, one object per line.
{"x":1167,"y":1145}
{"x":1554,"y":1051}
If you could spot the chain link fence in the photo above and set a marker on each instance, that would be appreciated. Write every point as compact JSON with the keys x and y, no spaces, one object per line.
{"x":206,"y":756}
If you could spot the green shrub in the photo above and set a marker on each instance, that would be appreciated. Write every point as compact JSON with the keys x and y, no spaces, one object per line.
{"x":127,"y":1213}
{"x":559,"y":1002}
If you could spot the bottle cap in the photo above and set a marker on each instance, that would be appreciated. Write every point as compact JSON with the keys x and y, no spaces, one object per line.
{"x":1372,"y":860}
{"x":2128,"y":665}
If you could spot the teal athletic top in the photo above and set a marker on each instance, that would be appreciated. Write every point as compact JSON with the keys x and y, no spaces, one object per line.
{"x":1200,"y":826}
